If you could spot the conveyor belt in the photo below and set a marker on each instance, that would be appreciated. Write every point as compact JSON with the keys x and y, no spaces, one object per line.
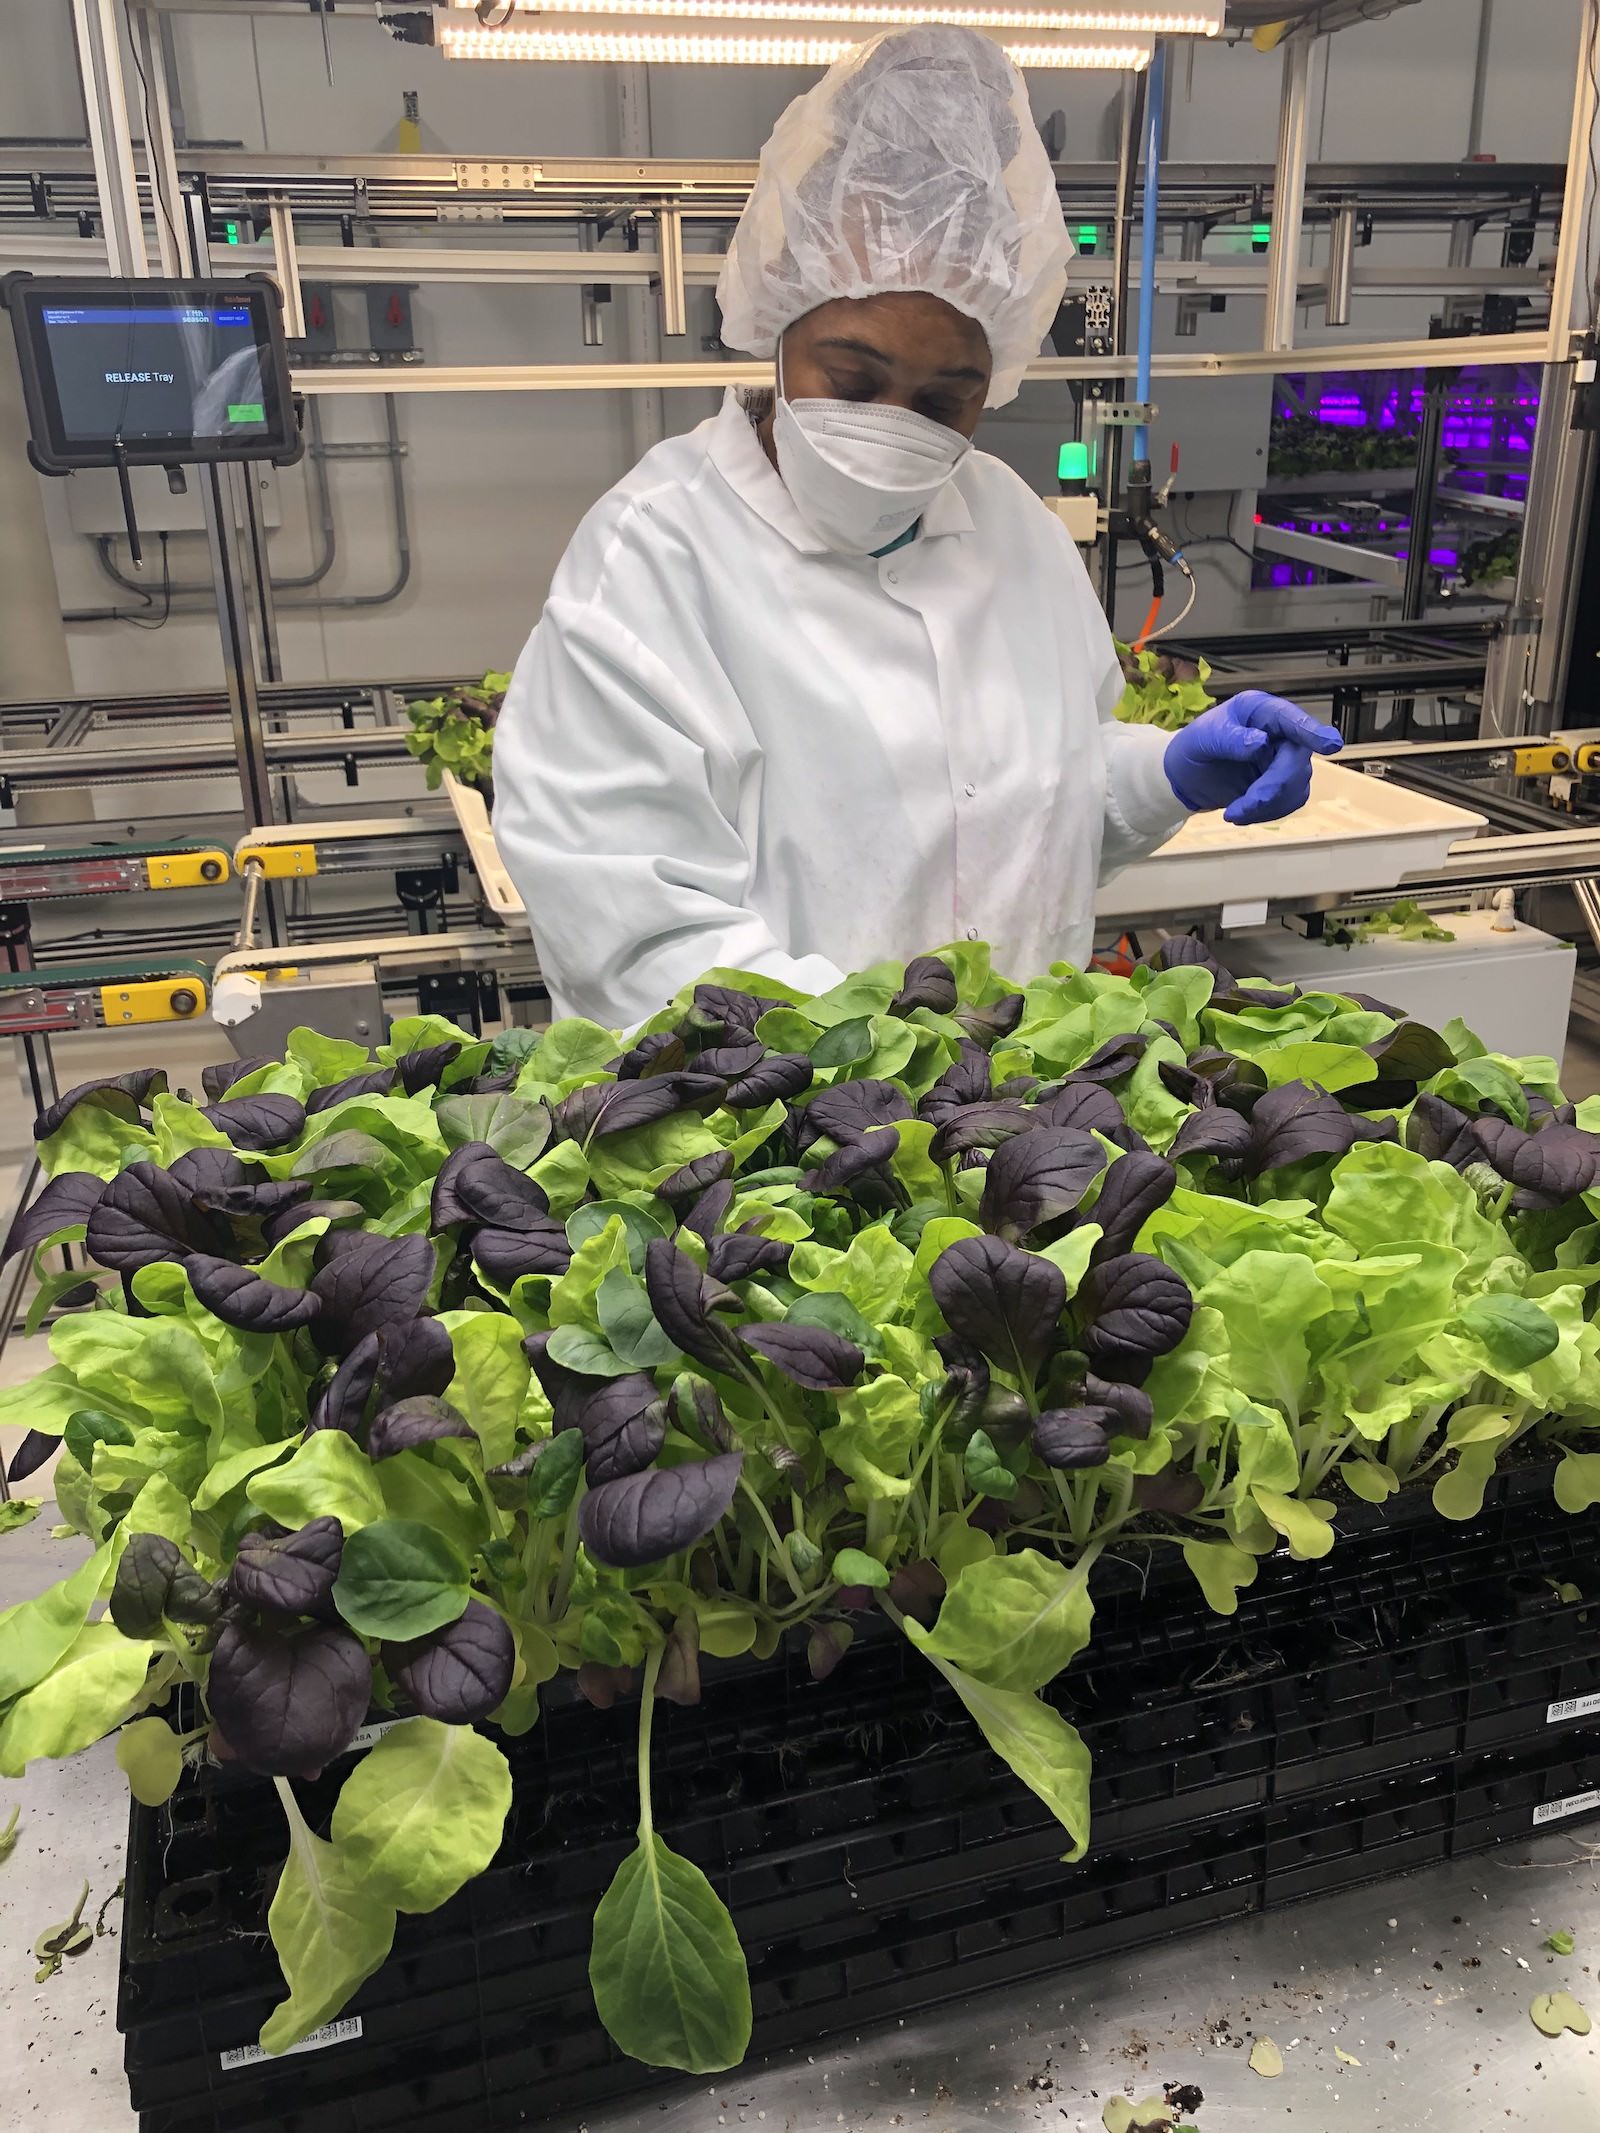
{"x":37,"y":874}
{"x":103,"y":995}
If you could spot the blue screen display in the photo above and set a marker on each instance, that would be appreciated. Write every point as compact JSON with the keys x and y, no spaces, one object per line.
{"x":146,"y":373}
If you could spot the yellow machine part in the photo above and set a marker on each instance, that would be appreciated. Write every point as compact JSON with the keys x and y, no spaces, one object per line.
{"x":186,"y":870}
{"x":279,"y":862}
{"x":174,"y":999}
{"x":1547,"y":759}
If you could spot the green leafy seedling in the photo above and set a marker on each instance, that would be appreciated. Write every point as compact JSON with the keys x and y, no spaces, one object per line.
{"x":56,"y":1943}
{"x":1555,"y":2012}
{"x":1561,"y":1942}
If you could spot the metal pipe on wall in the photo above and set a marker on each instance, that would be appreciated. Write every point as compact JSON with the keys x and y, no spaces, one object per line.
{"x":1341,"y":264}
{"x":1288,"y":195}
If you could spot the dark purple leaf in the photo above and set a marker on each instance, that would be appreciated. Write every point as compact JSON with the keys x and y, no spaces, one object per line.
{"x":854,"y":1160}
{"x":242,"y":1298}
{"x":829,"y":1641}
{"x":812,"y":1356}
{"x":122,"y":1094}
{"x":216,"y":1081}
{"x":928,"y":983}
{"x":1410,"y":1052}
{"x":405,"y":1424}
{"x":1129,"y":1403}
{"x":777,"y":1078}
{"x":1176,"y":1491}
{"x":719,"y":1009}
{"x":1236,"y":998}
{"x":258,"y":1123}
{"x":1180,"y":949}
{"x":685,"y":1185}
{"x":1115,"y":1058}
{"x":851,"y":1109}
{"x":710,"y":1211}
{"x":505,"y":1255}
{"x":677,"y":1292}
{"x":425,"y":1067}
{"x":36,"y":1447}
{"x":602,"y":1685}
{"x":287,"y":1705}
{"x":916,"y":1589}
{"x":624,"y":1425}
{"x":738,"y":1257}
{"x":66,"y":1202}
{"x":1139,"y":1308}
{"x":293,"y":1575}
{"x":1135,"y":1186}
{"x":678,"y":1680}
{"x":616,"y":1106}
{"x":1089,"y":1108}
{"x":1297,"y":1121}
{"x":989,"y":1024}
{"x":1376,"y":1129}
{"x":255,"y":1199}
{"x":563,"y":1388}
{"x":1548,"y":1168}
{"x":149,"y":1565}
{"x":731,"y":1061}
{"x":1037,"y":1177}
{"x":459,"y":1674}
{"x":415,"y":1356}
{"x":144,"y":1216}
{"x":1075,"y":1436}
{"x":968,"y":1081}
{"x":661,"y":1053}
{"x":371,"y":1282}
{"x":208,"y":1170}
{"x":1215,"y":1132}
{"x":1441,"y":1133}
{"x":1006,"y":1302}
{"x":646,"y":1517}
{"x":343,"y":1400}
{"x":700,"y":1413}
{"x":279,"y":1226}
{"x":374,"y":1081}
{"x":982,"y":1125}
{"x":476,"y":1184}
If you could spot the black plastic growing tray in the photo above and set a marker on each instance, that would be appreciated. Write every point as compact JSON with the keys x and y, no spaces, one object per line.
{"x":874,"y":1853}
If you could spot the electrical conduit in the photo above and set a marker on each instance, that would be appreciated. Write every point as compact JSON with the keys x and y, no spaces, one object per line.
{"x":1155,"y":98}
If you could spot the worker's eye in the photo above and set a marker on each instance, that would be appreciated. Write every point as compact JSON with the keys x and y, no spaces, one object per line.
{"x":940,"y":407}
{"x":853,"y":385}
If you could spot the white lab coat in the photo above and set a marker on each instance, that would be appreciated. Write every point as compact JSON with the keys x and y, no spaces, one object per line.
{"x":724,"y":744}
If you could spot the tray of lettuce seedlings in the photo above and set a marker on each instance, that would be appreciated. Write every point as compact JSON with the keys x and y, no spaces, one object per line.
{"x":444,"y":1385}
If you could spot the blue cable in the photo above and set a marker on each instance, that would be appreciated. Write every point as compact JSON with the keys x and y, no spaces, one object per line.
{"x":1155,"y":96}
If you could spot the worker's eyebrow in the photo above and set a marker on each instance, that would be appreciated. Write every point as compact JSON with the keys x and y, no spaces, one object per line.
{"x":968,"y":373}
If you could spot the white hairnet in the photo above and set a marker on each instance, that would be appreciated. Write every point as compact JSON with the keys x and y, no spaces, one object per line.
{"x":913,"y":164}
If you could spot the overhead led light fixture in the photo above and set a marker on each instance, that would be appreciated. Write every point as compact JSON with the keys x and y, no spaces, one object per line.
{"x":1134,"y":19}
{"x":636,"y":38}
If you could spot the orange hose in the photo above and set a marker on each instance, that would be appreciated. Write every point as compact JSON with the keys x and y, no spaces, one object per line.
{"x":1148,"y":624}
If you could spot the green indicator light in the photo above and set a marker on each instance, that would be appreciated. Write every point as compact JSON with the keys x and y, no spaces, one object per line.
{"x":1073,"y":464}
{"x":1088,"y":236}
{"x":230,"y":233}
{"x":246,"y":411}
{"x":1261,"y":233}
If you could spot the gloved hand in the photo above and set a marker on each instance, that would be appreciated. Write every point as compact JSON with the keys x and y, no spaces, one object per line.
{"x":1250,"y":756}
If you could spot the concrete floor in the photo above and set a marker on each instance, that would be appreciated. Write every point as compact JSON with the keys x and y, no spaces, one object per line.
{"x":1426,"y":1980}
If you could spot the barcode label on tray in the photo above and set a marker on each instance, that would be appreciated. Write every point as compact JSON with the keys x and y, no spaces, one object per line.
{"x":1571,"y":1707}
{"x":1577,"y":1803}
{"x":344,"y":2032}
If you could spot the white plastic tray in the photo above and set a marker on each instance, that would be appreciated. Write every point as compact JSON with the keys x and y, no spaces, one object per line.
{"x":1356,"y":832}
{"x":472,"y":817}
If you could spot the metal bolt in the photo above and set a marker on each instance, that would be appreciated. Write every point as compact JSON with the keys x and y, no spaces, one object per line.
{"x":183,"y":1001}
{"x":211,"y":870}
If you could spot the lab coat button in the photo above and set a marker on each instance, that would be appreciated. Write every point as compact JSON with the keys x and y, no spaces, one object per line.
{"x":894,"y":577}
{"x":972,"y":933}
{"x":969,"y":790}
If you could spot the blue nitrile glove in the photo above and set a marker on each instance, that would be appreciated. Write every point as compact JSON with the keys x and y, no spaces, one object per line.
{"x":1250,"y":756}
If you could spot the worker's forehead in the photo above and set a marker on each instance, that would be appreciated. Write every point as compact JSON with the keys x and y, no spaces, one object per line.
{"x":899,"y":324}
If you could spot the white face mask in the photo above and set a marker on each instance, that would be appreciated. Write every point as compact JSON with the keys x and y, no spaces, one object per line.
{"x":861,"y":474}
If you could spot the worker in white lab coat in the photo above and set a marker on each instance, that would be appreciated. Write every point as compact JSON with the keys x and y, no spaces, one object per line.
{"x":818,"y":683}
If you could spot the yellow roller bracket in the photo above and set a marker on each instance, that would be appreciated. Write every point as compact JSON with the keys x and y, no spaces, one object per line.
{"x":277,"y":862}
{"x":194,"y":869}
{"x":179,"y":998}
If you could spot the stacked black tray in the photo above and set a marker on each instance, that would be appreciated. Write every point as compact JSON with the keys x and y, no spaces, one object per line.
{"x":877,"y":1858}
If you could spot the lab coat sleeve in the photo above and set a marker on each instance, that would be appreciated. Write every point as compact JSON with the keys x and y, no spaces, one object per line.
{"x":615,"y":792}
